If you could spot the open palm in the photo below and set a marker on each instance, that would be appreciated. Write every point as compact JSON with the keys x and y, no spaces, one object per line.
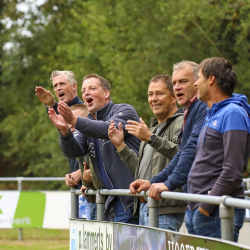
{"x":44,"y":96}
{"x":116,"y":136}
{"x":57,"y":120}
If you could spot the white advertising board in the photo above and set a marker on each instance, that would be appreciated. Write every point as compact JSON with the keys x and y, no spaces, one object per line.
{"x":34,"y":209}
{"x":91,"y":235}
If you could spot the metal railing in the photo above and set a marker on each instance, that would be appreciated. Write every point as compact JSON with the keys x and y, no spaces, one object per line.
{"x":226,"y":205}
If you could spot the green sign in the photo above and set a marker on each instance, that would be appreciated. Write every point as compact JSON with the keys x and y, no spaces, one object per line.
{"x":30,"y":210}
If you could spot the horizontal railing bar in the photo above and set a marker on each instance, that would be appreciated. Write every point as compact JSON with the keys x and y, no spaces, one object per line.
{"x":247,"y":193}
{"x":232,"y":202}
{"x":191,"y":197}
{"x":32,"y":178}
{"x":235,"y":202}
{"x":53,"y":178}
{"x":121,"y":192}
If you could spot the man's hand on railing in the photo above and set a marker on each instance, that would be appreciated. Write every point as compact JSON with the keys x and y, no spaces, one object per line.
{"x":72,"y":179}
{"x":156,"y":189}
{"x":83,"y":189}
{"x":138,"y":186}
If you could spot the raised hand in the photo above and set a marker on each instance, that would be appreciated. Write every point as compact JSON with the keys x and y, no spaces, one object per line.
{"x":45,"y":96}
{"x":86,"y":173}
{"x":138,"y":186}
{"x":58,"y":121}
{"x":140,"y":130}
{"x":156,"y":189}
{"x":116,"y":136}
{"x":64,"y":110}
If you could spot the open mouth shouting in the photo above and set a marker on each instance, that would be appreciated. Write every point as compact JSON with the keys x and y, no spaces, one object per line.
{"x":89,"y":101}
{"x":61,"y":96}
{"x":179,"y":95}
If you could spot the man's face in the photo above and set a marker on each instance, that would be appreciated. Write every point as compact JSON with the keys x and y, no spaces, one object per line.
{"x":160,"y":100}
{"x":80,"y":113}
{"x":93,"y":95}
{"x":183,"y":81}
{"x":202,"y":85}
{"x":64,"y":91}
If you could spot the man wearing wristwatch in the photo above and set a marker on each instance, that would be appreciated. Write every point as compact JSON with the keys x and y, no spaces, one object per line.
{"x":175,"y":174}
{"x":158,"y":147}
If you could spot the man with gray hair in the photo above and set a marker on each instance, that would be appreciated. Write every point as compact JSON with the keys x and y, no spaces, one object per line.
{"x":65,"y":88}
{"x":175,"y":174}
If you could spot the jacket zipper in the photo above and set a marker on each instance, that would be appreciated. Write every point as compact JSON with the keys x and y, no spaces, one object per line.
{"x":106,"y":171}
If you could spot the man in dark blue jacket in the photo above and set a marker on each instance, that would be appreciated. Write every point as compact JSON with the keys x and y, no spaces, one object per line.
{"x":175,"y":174}
{"x":93,"y":139}
{"x":223,"y":148}
{"x":65,"y":88}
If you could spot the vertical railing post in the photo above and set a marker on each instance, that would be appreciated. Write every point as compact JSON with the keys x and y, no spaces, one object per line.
{"x":74,"y":203}
{"x":226,"y":218}
{"x":20,"y":230}
{"x":153,"y":212}
{"x":100,"y":203}
{"x":248,"y":185}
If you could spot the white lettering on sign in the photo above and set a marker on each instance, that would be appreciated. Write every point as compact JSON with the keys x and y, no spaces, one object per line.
{"x":175,"y":246}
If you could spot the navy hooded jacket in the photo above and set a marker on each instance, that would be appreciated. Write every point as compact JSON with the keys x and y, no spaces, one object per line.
{"x":222,"y":152}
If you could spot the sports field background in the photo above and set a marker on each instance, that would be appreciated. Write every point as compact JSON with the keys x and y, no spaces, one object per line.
{"x":34,"y":239}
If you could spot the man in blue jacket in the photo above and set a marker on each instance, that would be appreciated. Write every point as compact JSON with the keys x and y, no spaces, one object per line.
{"x":93,"y":139}
{"x":223,"y":148}
{"x":65,"y":88}
{"x":175,"y":174}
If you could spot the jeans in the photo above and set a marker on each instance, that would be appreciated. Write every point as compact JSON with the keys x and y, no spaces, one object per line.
{"x":200,"y":224}
{"x":124,"y":215}
{"x":166,"y":221}
{"x":93,"y":211}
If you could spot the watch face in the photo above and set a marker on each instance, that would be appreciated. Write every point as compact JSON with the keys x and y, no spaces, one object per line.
{"x":152,"y":138}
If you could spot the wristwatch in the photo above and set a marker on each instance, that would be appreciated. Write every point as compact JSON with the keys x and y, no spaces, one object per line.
{"x":151,"y":139}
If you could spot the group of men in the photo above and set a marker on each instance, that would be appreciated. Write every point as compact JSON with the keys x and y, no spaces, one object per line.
{"x":201,"y":149}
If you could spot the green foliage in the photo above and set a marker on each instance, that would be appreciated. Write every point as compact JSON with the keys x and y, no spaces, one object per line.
{"x":127,"y":42}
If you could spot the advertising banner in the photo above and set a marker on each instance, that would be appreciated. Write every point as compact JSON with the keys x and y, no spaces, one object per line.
{"x":29,"y":209}
{"x":94,"y":235}
{"x":91,"y":235}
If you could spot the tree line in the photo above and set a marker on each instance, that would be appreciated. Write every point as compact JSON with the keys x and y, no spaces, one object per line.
{"x":127,"y":42}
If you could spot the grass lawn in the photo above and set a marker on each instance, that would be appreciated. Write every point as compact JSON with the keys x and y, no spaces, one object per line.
{"x":34,"y":239}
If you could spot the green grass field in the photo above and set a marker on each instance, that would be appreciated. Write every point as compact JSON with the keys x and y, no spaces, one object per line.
{"x":34,"y":239}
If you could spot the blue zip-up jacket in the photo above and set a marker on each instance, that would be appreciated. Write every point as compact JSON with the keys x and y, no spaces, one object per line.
{"x":73,"y":163}
{"x":222,"y":152}
{"x":174,"y":175}
{"x":85,"y":142}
